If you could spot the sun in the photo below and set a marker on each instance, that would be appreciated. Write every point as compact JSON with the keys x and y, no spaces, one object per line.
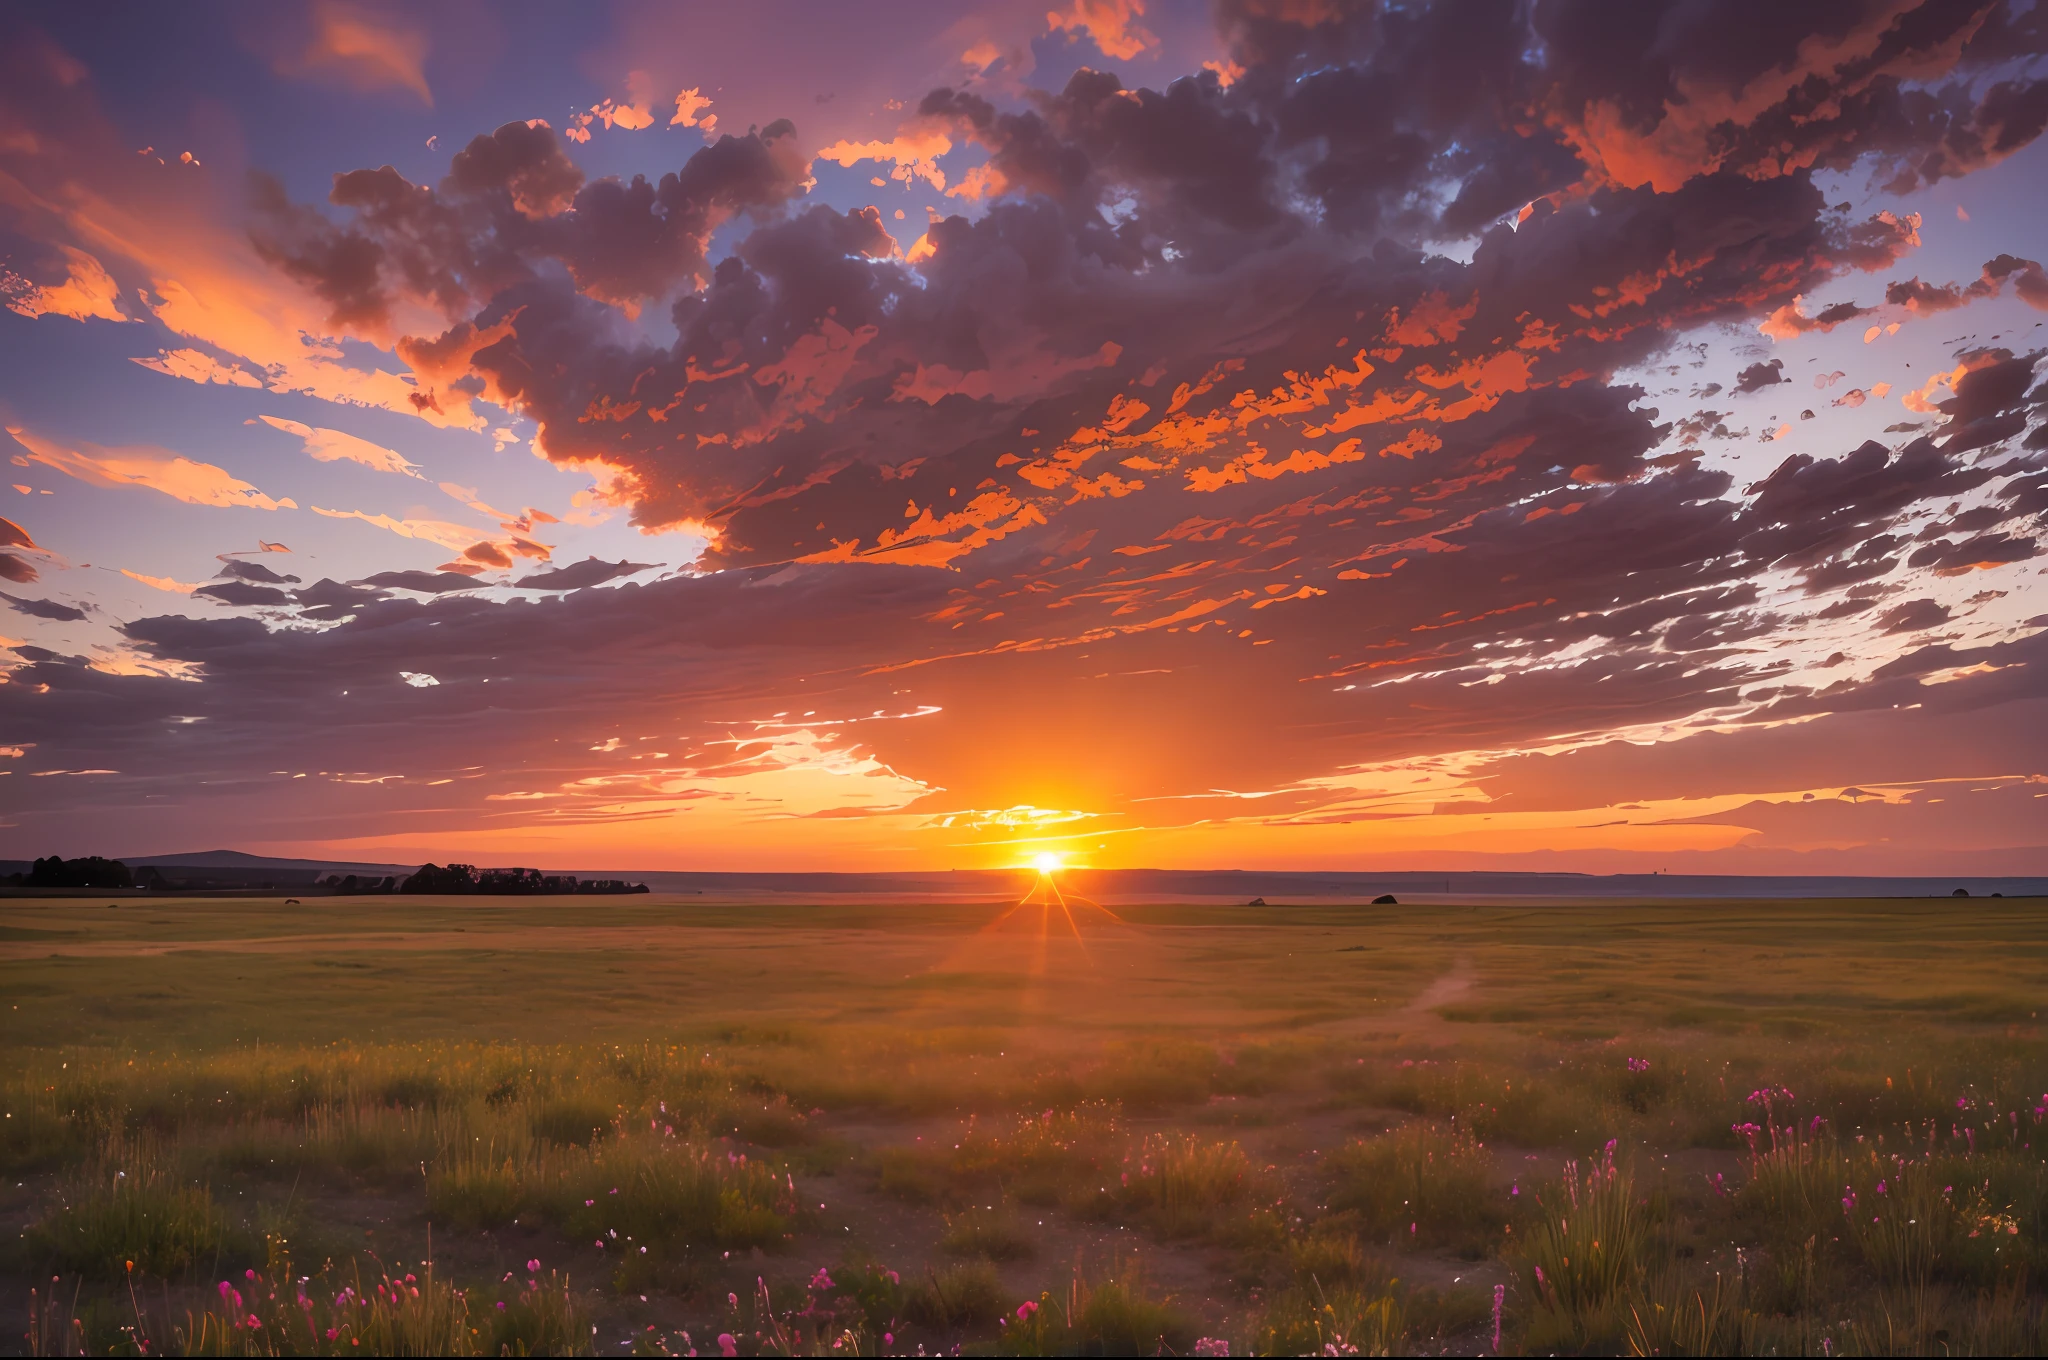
{"x":1047,"y":862}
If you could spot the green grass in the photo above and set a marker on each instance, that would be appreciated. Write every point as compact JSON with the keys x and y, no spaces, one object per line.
{"x":126,"y":1213}
{"x":1423,"y":1185}
{"x":715,"y":1104}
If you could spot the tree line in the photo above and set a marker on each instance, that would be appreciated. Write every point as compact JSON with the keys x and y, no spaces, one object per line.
{"x":93,"y":871}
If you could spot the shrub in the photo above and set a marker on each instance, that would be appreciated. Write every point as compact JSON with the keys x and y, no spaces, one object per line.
{"x":112,"y":1220}
{"x":1421,"y":1185}
{"x":573,"y":1122}
{"x":1680,"y":1321}
{"x":1312,"y":1320}
{"x":1115,"y":1316}
{"x":1584,"y":1252}
{"x":969,"y":1295}
{"x":1183,"y":1186}
{"x":665,"y":1194}
{"x":987,"y":1233}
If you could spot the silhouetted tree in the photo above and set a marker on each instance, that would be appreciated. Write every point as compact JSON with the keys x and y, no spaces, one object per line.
{"x":432,"y":878}
{"x":90,"y":871}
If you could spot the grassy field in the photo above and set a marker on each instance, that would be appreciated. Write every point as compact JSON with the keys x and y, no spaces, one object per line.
{"x":671,"y":1125}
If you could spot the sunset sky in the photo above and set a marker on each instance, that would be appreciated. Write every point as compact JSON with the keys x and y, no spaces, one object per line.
{"x":1280,"y":433}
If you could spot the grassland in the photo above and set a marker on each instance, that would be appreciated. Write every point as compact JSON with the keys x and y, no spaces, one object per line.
{"x":521,"y":1127}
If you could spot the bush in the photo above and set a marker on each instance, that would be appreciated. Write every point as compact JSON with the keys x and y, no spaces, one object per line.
{"x":1312,"y":1320}
{"x":1421,"y":1185}
{"x":573,"y":1123}
{"x":1183,"y":1186}
{"x":988,"y":1233}
{"x":114,"y":1220}
{"x":969,"y":1295}
{"x":1583,"y":1254}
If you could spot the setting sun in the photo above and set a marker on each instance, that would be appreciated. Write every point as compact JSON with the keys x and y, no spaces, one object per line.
{"x":1047,"y":862}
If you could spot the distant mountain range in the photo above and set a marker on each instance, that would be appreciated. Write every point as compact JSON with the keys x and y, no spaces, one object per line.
{"x":234,"y":868}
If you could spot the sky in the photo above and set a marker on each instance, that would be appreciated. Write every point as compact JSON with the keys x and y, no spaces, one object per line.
{"x":1281,"y":433}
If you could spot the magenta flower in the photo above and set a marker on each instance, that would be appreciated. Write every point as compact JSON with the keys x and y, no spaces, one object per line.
{"x":726,"y":1345}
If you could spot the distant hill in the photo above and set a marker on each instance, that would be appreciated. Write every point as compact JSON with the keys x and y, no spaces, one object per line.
{"x":236,"y":859}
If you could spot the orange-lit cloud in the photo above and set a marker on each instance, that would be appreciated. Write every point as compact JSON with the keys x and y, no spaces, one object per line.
{"x":368,"y":50}
{"x":440,"y":532}
{"x":330,"y":446}
{"x":159,"y":470}
{"x":86,"y":290}
{"x":1114,"y":25}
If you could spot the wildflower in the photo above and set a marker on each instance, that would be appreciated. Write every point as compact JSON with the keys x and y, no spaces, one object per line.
{"x":1025,"y":1310}
{"x":1210,"y":1345}
{"x":732,"y":1300}
{"x":821,"y":1280}
{"x":1500,"y":1293}
{"x":533,"y":1265}
{"x":333,"y":1332}
{"x":501,"y":1305}
{"x":726,"y":1345}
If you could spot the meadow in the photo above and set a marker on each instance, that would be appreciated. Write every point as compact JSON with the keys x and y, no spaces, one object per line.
{"x":682,"y":1125}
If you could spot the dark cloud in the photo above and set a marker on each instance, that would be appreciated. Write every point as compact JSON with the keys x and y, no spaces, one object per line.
{"x":256,"y":572}
{"x":1997,"y":384}
{"x":1986,"y":550}
{"x":1810,"y":508}
{"x":1913,"y":616}
{"x":241,"y":593}
{"x":424,"y":582}
{"x":511,"y":201}
{"x":1759,"y":375}
{"x":44,"y":609}
{"x":590,"y":571}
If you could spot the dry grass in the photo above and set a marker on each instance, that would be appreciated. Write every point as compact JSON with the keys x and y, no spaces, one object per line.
{"x":1204,"y":1089}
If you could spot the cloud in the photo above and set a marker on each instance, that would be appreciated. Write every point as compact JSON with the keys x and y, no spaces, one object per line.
{"x":163,"y":583}
{"x":147,"y":466}
{"x":2030,"y":284}
{"x":589,"y":572}
{"x":424,"y":582}
{"x":1913,"y":616}
{"x":15,"y":568}
{"x":44,"y":609}
{"x":434,"y":531}
{"x":255,"y":571}
{"x":1791,"y":321}
{"x":82,"y":289}
{"x":242,"y":593}
{"x":1112,"y":24}
{"x":365,"y":50}
{"x":330,"y":446}
{"x":1759,"y":376}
